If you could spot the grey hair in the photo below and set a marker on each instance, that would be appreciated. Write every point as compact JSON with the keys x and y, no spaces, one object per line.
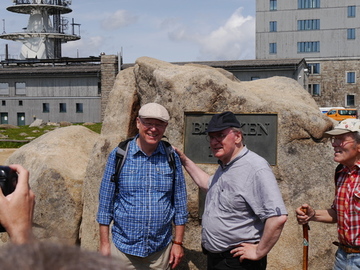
{"x":241,"y":132}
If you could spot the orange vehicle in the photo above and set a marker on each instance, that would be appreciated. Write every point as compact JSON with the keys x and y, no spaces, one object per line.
{"x":340,"y":114}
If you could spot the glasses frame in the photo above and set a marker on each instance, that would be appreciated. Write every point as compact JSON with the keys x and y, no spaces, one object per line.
{"x":152,"y":125}
{"x":334,"y":142}
{"x":219,"y":138}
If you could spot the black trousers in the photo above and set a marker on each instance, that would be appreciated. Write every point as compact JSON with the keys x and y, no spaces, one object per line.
{"x":226,"y":261}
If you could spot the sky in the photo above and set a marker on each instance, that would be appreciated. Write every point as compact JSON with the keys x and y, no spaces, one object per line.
{"x":168,"y":30}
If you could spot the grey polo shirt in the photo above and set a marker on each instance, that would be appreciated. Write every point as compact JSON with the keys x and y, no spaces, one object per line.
{"x":241,"y":196}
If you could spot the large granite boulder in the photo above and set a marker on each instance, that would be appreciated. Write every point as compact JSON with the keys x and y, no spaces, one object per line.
{"x":57,"y":163}
{"x":304,"y":166}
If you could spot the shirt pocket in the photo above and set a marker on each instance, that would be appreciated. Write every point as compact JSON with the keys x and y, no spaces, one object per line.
{"x":356,"y":199}
{"x":229,"y":201}
{"x":128,"y":181}
{"x":164,"y":179}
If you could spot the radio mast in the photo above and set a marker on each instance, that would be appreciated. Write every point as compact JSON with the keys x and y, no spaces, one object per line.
{"x":42,"y":38}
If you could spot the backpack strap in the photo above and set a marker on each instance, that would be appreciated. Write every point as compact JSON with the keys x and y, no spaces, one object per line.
{"x":121,"y":152}
{"x":170,"y":154}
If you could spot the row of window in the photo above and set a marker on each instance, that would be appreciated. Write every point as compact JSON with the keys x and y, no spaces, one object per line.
{"x":314,"y":89}
{"x":46,"y":107}
{"x":62,"y":107}
{"x":306,"y":25}
{"x":20,"y":89}
{"x":302,"y":47}
{"x":307,"y":4}
{"x":314,"y":68}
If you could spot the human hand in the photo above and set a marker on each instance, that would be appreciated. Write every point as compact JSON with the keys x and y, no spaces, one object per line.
{"x":304,"y":213}
{"x":105,"y":249}
{"x":181,"y":154}
{"x":16,"y":209}
{"x":246,"y":251}
{"x":176,"y":254}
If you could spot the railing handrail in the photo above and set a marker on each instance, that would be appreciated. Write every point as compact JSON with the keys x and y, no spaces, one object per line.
{"x":64,"y":3}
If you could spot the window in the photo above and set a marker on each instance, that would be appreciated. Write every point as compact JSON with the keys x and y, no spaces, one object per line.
{"x":350,"y":77}
{"x":308,"y":46}
{"x":273,"y":26}
{"x":20,"y":102}
{"x":308,"y":24}
{"x":4,"y":89}
{"x":20,"y":88}
{"x":46,"y":107}
{"x":4,"y":119}
{"x":314,"y":68}
{"x":99,"y":88}
{"x":308,"y":4}
{"x":273,"y":48}
{"x":273,"y":4}
{"x":314,"y":89}
{"x":351,"y":11}
{"x":62,"y":108}
{"x":350,"y":100}
{"x":3,"y":103}
{"x":351,"y":33}
{"x":79,"y":108}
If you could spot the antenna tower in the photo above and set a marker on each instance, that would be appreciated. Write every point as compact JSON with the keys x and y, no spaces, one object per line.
{"x":42,"y":38}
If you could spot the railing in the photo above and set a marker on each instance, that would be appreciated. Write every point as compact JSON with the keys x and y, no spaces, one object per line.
{"x":64,"y":3}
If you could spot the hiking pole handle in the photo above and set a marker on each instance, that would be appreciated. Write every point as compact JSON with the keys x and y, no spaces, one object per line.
{"x":305,"y":242}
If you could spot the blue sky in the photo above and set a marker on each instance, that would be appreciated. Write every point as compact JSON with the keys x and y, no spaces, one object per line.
{"x":172,"y":31}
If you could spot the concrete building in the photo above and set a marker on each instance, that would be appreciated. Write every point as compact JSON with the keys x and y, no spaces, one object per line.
{"x":325,"y":33}
{"x":44,"y":85}
{"x":73,"y":90}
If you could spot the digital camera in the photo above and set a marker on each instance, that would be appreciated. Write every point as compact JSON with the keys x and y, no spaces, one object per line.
{"x":8,"y":181}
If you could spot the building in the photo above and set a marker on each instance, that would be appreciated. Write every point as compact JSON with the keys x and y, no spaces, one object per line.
{"x":73,"y":90}
{"x":42,"y":38}
{"x":325,"y":34}
{"x":250,"y":70}
{"x":44,"y":85}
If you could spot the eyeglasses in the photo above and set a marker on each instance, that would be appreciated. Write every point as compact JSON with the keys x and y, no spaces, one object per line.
{"x":151,"y":125}
{"x":219,"y":138}
{"x":339,"y":142}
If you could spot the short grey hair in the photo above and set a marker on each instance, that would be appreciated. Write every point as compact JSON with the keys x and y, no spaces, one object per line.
{"x":241,"y":132}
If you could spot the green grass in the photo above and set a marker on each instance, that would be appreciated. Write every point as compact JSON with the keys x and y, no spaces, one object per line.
{"x":24,"y":134}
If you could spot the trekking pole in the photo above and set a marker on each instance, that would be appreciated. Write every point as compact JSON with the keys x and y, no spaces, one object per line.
{"x":306,"y":229}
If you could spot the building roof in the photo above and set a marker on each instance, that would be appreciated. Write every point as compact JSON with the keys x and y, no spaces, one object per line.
{"x":244,"y":64}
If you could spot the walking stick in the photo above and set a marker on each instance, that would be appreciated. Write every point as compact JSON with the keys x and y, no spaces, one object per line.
{"x":306,"y":229}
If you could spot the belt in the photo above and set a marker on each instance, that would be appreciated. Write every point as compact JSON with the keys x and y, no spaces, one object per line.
{"x":347,"y":249}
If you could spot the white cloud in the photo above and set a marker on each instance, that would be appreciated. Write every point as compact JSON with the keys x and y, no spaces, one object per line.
{"x":232,"y":41}
{"x":118,"y":19}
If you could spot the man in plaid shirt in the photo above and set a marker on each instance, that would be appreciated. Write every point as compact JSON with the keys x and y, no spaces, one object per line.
{"x":150,"y":199}
{"x":345,"y":210}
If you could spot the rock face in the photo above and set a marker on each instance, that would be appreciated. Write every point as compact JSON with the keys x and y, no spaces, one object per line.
{"x":57,"y":163}
{"x":304,"y":167}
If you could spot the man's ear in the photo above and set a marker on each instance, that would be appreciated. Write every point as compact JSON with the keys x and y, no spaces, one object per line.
{"x":238,"y":137}
{"x":137,"y":122}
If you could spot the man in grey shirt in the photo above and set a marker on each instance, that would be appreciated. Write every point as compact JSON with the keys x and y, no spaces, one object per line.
{"x":244,"y":211}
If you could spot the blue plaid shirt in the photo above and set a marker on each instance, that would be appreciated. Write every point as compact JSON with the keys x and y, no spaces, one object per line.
{"x":149,"y":201}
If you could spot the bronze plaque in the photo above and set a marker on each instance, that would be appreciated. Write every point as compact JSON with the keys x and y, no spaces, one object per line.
{"x":260,"y":135}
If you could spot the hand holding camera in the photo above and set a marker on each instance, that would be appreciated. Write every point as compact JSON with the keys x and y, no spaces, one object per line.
{"x":16,"y":203}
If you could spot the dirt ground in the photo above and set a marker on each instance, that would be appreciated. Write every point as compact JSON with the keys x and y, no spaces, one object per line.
{"x":5,"y":153}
